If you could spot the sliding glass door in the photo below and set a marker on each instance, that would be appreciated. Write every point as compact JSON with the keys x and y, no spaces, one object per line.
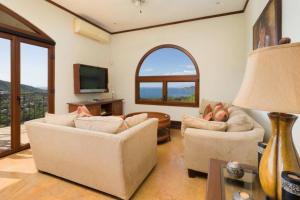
{"x":33,"y":84}
{"x":5,"y":95}
{"x":26,"y":88}
{"x":26,"y":78}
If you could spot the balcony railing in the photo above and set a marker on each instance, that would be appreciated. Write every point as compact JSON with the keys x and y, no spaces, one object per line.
{"x":33,"y":105}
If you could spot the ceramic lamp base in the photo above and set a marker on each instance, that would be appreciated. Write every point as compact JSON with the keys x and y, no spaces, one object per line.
{"x":280,"y":154}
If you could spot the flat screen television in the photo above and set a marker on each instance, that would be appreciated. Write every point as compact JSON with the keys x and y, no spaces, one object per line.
{"x":90,"y":79}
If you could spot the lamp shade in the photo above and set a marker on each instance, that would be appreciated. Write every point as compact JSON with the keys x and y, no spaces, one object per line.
{"x":272,"y":80}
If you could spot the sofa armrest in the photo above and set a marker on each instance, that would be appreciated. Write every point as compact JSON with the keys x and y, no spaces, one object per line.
{"x":203,"y":145}
{"x":139,"y":153}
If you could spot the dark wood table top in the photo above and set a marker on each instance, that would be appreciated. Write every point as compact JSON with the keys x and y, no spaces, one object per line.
{"x":214,"y":185}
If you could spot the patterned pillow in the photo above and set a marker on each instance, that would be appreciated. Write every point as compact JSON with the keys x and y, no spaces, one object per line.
{"x":83,"y":111}
{"x":208,"y":114}
{"x":218,"y":107}
{"x":221,"y":115}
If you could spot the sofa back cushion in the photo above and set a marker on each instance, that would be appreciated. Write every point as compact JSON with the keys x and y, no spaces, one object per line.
{"x":194,"y":122}
{"x":107,"y":124}
{"x":136,"y":119}
{"x":239,"y":121}
{"x":61,"y":119}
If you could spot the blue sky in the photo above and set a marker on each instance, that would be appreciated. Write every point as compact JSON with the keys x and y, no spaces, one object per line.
{"x":34,"y":64}
{"x":166,"y":62}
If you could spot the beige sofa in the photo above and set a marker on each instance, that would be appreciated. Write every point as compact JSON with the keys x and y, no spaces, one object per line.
{"x":202,"y":145}
{"x":113,"y":163}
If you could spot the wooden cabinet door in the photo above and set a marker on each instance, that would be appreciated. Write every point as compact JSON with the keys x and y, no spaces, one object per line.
{"x":94,"y":109}
{"x":117,"y":108}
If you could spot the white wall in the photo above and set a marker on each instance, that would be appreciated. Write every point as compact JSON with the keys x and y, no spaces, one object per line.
{"x":70,"y":48}
{"x":217,"y":45}
{"x":290,"y":28}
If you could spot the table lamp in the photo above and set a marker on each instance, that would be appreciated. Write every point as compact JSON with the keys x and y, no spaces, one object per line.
{"x":272,"y":83}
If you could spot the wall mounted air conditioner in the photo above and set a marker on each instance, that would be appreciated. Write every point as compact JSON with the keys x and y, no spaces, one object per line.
{"x":87,"y":30}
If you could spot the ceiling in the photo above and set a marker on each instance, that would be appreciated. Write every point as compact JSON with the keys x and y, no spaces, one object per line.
{"x":120,"y":15}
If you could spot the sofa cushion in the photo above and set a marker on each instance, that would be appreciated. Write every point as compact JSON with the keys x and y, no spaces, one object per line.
{"x":61,"y":119}
{"x":236,"y":112}
{"x":107,"y":124}
{"x":136,"y":119}
{"x":240,"y":122}
{"x":232,"y":109}
{"x":194,"y":122}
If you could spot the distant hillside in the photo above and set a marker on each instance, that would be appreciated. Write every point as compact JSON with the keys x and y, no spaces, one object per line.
{"x":5,"y":86}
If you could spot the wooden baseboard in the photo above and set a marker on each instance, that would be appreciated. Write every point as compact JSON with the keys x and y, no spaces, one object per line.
{"x":176,"y":124}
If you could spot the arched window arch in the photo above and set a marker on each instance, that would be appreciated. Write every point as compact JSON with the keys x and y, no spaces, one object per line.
{"x":167,"y":75}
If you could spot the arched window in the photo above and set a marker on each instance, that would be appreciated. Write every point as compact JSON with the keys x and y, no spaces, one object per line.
{"x":167,"y":75}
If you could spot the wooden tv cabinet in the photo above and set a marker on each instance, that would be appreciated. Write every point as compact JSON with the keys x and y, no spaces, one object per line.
{"x":103,"y":107}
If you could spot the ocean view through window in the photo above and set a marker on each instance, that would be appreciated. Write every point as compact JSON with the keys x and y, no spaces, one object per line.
{"x":167,"y":75}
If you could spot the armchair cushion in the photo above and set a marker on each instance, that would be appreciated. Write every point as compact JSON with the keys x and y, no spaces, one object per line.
{"x":194,"y":122}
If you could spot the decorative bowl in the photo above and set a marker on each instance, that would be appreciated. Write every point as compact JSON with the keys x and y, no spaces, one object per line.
{"x":235,"y":170}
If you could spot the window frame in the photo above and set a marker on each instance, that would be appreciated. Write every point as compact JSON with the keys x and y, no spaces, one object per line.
{"x":165,"y":79}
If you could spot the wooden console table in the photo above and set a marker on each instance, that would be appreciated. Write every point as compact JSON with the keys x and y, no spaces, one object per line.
{"x":101,"y":107}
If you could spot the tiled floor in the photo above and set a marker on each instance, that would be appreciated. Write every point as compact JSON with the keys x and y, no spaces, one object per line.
{"x":19,"y":180}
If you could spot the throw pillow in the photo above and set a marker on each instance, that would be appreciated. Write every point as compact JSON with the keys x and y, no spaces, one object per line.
{"x":240,"y":122}
{"x":193,"y":122}
{"x":107,"y":124}
{"x":221,"y":115}
{"x":205,"y":102}
{"x":136,"y":119}
{"x":218,"y":107}
{"x":61,"y":119}
{"x":83,"y":111}
{"x":207,"y":115}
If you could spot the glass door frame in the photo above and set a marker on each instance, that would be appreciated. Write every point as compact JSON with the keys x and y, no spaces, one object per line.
{"x":15,"y":87}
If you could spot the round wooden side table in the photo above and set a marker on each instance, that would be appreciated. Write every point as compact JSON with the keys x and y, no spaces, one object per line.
{"x":164,"y":124}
